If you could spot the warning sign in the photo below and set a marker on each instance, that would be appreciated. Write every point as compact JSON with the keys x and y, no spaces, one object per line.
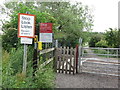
{"x":45,"y":32}
{"x":46,"y":37}
{"x":26,"y":25}
{"x":45,"y":27}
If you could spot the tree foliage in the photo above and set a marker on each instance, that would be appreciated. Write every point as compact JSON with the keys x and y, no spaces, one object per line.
{"x":112,"y":37}
{"x":72,"y":20}
{"x":101,"y":43}
{"x":95,"y":37}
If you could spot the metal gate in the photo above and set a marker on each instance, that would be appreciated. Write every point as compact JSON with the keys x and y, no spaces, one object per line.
{"x":99,"y":60}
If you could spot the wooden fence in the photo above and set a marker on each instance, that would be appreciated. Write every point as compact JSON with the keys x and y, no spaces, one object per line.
{"x":65,"y":60}
{"x":45,"y":57}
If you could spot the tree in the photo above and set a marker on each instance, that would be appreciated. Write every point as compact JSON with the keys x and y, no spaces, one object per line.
{"x":112,"y":37}
{"x":72,"y":20}
{"x":95,"y":38}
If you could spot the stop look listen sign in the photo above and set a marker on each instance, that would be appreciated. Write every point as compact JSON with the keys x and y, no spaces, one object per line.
{"x":26,"y":25}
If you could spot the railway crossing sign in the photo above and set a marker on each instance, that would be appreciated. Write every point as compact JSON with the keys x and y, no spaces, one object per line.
{"x":45,"y":32}
{"x":26,"y":25}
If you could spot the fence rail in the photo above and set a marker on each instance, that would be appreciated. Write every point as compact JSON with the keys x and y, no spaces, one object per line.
{"x":99,"y":60}
{"x":101,"y":51}
{"x":46,"y":51}
{"x":45,"y":57}
{"x":102,"y":54}
{"x":102,"y":48}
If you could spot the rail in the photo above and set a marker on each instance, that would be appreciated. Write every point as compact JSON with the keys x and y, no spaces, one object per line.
{"x":46,"y":56}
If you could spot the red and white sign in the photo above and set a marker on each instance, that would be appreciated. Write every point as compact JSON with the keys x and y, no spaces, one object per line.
{"x":26,"y":25}
{"x":45,"y":27}
{"x":45,"y":32}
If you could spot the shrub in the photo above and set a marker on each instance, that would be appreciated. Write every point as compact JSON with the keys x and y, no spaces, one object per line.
{"x":102,"y":43}
{"x":94,"y":39}
{"x":12,"y":68}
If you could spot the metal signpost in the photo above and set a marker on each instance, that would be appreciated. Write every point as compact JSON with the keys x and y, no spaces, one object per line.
{"x":79,"y":49}
{"x":26,"y":30}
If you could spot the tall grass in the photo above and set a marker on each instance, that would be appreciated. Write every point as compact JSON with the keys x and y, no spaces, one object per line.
{"x":12,"y":76}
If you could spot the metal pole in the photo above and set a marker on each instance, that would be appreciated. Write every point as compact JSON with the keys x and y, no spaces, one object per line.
{"x":25,"y":59}
{"x":79,"y":56}
{"x":108,"y":55}
{"x":117,"y":53}
{"x":56,"y":43}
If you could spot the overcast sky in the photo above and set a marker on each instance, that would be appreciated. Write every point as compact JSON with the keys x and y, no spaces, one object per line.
{"x":105,"y":13}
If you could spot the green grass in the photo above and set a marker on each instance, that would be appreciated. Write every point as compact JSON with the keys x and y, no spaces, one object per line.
{"x":14,"y":78}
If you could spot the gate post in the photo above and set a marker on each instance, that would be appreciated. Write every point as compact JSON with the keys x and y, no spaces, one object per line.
{"x":77,"y":59}
{"x":79,"y":56}
{"x":55,"y":56}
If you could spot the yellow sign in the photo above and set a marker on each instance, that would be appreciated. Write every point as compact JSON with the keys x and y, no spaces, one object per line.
{"x":40,"y":45}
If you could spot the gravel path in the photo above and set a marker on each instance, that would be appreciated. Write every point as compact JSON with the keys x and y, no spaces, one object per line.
{"x":85,"y":80}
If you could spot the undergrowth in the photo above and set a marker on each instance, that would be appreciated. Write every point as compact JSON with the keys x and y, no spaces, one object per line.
{"x":12,"y":76}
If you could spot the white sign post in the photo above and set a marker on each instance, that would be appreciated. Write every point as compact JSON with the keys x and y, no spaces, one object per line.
{"x":26,"y":31}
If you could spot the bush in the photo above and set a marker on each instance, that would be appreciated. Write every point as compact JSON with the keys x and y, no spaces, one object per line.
{"x":102,"y":43}
{"x":94,"y":39}
{"x":9,"y":39}
{"x":12,"y":68}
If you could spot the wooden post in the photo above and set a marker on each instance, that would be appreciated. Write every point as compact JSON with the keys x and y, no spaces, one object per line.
{"x":76,"y":58}
{"x":35,"y":57}
{"x":55,"y":56}
{"x":67,"y":61}
{"x":60,"y":59}
{"x":63,"y":58}
{"x":71,"y":54}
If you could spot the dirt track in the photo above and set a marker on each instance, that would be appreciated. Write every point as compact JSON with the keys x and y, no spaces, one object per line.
{"x":85,"y":81}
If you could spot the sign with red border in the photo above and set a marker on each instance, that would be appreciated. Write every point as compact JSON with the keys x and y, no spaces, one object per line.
{"x":26,"y":25}
{"x":45,"y":27}
{"x":45,"y":33}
